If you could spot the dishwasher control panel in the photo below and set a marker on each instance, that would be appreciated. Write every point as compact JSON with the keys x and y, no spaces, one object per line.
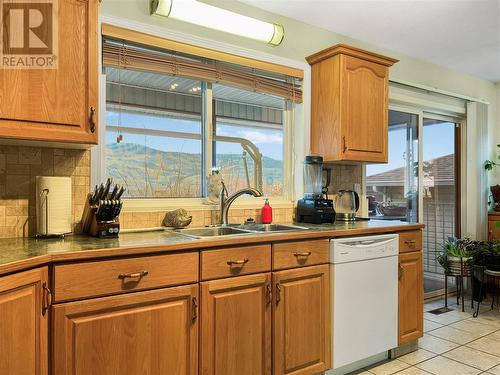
{"x":355,"y":249}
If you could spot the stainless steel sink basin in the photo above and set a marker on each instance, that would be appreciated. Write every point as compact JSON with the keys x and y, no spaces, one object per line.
{"x":211,"y":231}
{"x":271,"y":227}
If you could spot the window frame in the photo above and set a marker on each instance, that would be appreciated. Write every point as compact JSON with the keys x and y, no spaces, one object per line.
{"x":291,"y":148}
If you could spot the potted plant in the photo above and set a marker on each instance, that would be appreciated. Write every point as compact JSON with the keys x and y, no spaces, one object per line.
{"x":495,"y":190}
{"x":456,"y":256}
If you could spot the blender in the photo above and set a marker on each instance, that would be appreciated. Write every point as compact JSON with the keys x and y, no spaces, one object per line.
{"x":314,"y":208}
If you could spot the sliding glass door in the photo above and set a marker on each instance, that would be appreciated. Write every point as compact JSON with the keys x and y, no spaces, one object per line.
{"x":440,"y":177}
{"x":420,"y":182}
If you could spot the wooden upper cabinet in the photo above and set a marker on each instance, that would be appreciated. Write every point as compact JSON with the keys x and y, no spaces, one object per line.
{"x":24,"y":323}
{"x":349,"y":104}
{"x":411,"y":297}
{"x":236,"y":326}
{"x":301,"y":330}
{"x":57,"y":104}
{"x":149,"y":333}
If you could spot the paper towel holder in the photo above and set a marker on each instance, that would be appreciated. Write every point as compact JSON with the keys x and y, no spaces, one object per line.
{"x":47,"y":234}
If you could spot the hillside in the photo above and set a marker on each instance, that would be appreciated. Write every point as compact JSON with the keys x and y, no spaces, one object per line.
{"x":150,"y":172}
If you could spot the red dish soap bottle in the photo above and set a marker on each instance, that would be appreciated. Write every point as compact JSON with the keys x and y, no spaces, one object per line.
{"x":267,"y":213}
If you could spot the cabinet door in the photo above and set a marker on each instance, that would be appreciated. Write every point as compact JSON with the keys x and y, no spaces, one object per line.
{"x":364,"y":109}
{"x":411,"y":297}
{"x":153,"y":332}
{"x":24,"y":323}
{"x":236,"y":326}
{"x":494,"y":230}
{"x":55,"y":104}
{"x":302,"y":321}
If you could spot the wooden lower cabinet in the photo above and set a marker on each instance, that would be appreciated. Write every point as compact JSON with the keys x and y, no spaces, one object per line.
{"x":24,"y":323}
{"x":153,"y":332}
{"x":411,"y":297}
{"x":494,"y":226}
{"x":236,"y":326}
{"x":301,"y":330}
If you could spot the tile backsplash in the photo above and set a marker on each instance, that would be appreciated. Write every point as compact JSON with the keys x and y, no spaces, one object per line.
{"x":19,"y":166}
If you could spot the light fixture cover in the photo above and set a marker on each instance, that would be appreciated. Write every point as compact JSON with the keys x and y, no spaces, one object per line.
{"x":206,"y":15}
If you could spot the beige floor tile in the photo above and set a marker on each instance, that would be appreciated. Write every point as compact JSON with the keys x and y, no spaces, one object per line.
{"x":429,"y":325}
{"x":486,"y":344}
{"x":435,"y":344}
{"x":417,"y":356}
{"x":455,"y":335}
{"x":447,"y":318}
{"x":495,"y":335}
{"x":413,"y":371}
{"x":445,"y":366}
{"x":494,"y":370}
{"x":490,"y":320}
{"x":472,"y":325}
{"x":389,"y":367}
{"x":473,"y":357}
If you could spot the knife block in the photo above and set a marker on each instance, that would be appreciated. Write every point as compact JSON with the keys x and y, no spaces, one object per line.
{"x":96,"y":228}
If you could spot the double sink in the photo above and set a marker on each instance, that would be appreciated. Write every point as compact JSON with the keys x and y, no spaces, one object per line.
{"x":227,"y":230}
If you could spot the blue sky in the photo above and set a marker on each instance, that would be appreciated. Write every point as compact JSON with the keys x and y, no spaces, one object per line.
{"x":438,"y":140}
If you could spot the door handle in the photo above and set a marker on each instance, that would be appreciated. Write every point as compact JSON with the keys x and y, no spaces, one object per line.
{"x":278,"y":293}
{"x":92,"y":120}
{"x":269,"y":294}
{"x":47,"y":298}
{"x":133,"y":275}
{"x":237,"y":262}
{"x":194,"y":306}
{"x":344,"y":143}
{"x":400,"y":271}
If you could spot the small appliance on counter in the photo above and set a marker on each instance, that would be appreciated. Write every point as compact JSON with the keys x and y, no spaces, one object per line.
{"x":103,"y":205}
{"x":53,"y":206}
{"x":346,"y":203}
{"x":315,"y":207}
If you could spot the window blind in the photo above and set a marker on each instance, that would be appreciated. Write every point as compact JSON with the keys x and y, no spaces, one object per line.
{"x":118,"y":53}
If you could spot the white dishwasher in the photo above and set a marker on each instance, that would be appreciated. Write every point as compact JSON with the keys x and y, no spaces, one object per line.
{"x":365,"y":297}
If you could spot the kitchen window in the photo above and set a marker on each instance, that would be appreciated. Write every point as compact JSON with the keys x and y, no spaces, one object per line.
{"x":173,"y":119}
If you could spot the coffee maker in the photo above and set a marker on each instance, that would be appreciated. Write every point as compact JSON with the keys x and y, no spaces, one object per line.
{"x":314,"y":208}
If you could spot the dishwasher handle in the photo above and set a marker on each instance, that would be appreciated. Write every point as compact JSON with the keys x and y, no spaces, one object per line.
{"x":368,"y":243}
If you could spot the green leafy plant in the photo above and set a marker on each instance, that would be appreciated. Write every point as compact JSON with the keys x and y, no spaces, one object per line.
{"x":489,"y":164}
{"x":457,"y":248}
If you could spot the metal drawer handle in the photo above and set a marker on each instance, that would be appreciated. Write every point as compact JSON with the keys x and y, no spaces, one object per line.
{"x":237,"y":262}
{"x":47,"y":298}
{"x":91,"y":119}
{"x":410,"y":242}
{"x":133,"y":275}
{"x":302,"y":254}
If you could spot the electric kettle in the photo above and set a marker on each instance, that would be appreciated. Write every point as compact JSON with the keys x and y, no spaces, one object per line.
{"x":346,"y":203}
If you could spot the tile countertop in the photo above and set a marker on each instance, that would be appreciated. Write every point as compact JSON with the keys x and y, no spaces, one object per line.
{"x":23,"y":253}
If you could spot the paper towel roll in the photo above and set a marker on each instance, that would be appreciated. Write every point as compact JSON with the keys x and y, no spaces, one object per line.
{"x":56,"y":191}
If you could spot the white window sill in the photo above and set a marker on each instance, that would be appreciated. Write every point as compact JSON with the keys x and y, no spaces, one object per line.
{"x":167,"y":204}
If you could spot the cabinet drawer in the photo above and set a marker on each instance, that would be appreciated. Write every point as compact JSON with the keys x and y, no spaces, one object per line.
{"x":235,"y":261}
{"x":98,"y":278}
{"x":300,"y":253}
{"x":410,"y":241}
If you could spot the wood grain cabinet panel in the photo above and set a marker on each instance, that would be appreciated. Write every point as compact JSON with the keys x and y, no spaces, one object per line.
{"x":411,"y":297}
{"x":55,"y":104}
{"x":300,"y":253}
{"x":494,"y":226}
{"x":236,"y":326}
{"x":235,"y":261}
{"x":148,"y":333}
{"x":301,"y":330}
{"x":349,"y":104}
{"x":98,"y":278}
{"x":24,"y":323}
{"x":410,"y":241}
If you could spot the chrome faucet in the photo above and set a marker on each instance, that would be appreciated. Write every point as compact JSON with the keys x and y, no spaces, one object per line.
{"x":226,"y":201}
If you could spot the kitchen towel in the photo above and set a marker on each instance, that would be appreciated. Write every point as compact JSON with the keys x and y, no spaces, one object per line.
{"x":53,"y":205}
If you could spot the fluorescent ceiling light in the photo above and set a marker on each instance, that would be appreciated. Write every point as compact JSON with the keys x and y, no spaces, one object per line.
{"x":202,"y":14}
